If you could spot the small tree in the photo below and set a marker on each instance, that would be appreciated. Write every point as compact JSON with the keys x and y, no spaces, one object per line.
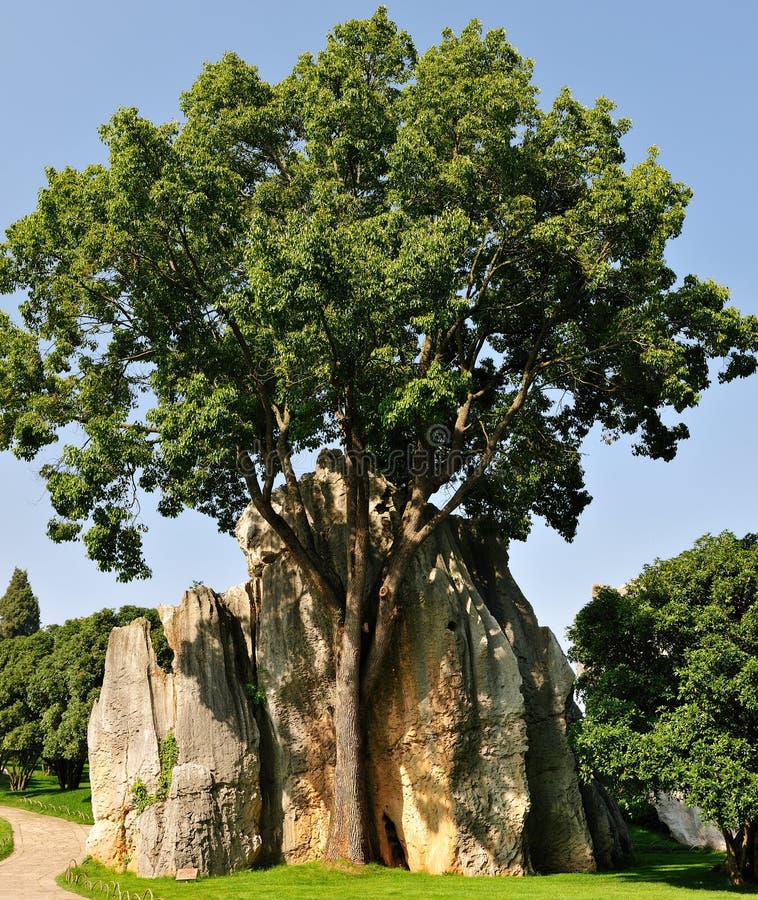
{"x":21,"y":732}
{"x":404,"y":255}
{"x":671,"y":686}
{"x":19,"y":608}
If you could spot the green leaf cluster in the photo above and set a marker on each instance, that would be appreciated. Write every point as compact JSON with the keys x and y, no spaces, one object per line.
{"x":48,"y":683}
{"x":21,"y":731}
{"x":255,"y":693}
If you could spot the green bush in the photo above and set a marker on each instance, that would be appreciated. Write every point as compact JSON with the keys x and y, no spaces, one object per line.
{"x":255,"y":693}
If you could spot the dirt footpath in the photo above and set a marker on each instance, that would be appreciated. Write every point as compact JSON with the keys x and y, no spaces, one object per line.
{"x":43,"y":847}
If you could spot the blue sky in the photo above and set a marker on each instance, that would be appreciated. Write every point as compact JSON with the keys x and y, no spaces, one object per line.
{"x":686,"y":73}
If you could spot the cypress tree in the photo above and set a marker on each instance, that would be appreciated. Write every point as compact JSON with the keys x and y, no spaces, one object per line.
{"x":19,"y":608}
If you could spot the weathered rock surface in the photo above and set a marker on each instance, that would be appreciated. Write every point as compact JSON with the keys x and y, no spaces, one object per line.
{"x":446,"y":736}
{"x":134,"y":713}
{"x":611,"y":840}
{"x":570,"y":827}
{"x":686,"y":823}
{"x":468,"y":765}
{"x":211,"y":817}
{"x":473,"y":680}
{"x":557,"y":830}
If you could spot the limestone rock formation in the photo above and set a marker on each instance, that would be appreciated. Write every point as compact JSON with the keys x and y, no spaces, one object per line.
{"x":611,"y":841}
{"x":134,"y":713}
{"x":472,"y":682}
{"x":686,"y":823}
{"x":468,"y":766}
{"x":570,"y":827}
{"x":446,"y":736}
{"x":211,"y":816}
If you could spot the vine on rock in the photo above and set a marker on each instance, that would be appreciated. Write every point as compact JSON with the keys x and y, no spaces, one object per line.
{"x":168,"y":751}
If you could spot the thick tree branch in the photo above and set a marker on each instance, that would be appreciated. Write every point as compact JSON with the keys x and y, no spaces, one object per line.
{"x":284,"y":452}
{"x":419,"y":522}
{"x":309,"y":564}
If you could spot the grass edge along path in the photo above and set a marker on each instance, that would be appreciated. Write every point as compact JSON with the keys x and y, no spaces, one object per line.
{"x":42,"y":795}
{"x":6,"y":839}
{"x":664,"y":870}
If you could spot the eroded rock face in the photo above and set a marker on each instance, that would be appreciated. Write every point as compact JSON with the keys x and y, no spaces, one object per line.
{"x":686,"y":823}
{"x":468,"y":766}
{"x":569,"y":829}
{"x":211,"y":817}
{"x":295,"y":668}
{"x":472,"y":683}
{"x":446,"y":736}
{"x":610,"y":836}
{"x":134,"y":713}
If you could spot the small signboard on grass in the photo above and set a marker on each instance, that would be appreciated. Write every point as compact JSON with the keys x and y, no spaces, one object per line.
{"x":186,"y":875}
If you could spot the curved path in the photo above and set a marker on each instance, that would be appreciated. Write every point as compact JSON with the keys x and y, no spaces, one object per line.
{"x":43,"y":847}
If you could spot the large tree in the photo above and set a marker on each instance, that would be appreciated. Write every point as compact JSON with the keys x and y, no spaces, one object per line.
{"x":403,"y":255}
{"x":670,"y":683}
{"x":19,"y":607}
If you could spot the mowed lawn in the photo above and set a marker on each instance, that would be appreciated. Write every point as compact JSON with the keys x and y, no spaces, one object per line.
{"x":43,"y":795}
{"x":665,"y":870}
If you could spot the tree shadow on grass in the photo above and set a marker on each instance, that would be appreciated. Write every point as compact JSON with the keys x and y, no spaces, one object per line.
{"x":48,"y":789}
{"x":663,"y":861}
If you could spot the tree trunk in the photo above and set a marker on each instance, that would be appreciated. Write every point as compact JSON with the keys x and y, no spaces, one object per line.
{"x":68,"y":772}
{"x":348,"y":833}
{"x":741,"y":865}
{"x":356,"y":677}
{"x":393,"y":572}
{"x":19,"y":770}
{"x":349,"y":828}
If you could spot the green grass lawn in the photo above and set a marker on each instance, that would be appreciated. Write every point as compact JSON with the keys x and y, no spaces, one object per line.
{"x":6,"y":839}
{"x":665,"y":869}
{"x":43,"y":795}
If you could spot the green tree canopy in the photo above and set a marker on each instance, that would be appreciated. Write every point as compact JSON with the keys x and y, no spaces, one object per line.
{"x":19,"y":608}
{"x":21,"y":732}
{"x":402,"y":254}
{"x":671,"y":686}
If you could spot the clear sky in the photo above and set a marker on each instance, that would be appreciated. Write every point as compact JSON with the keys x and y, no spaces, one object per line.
{"x":685,"y":72}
